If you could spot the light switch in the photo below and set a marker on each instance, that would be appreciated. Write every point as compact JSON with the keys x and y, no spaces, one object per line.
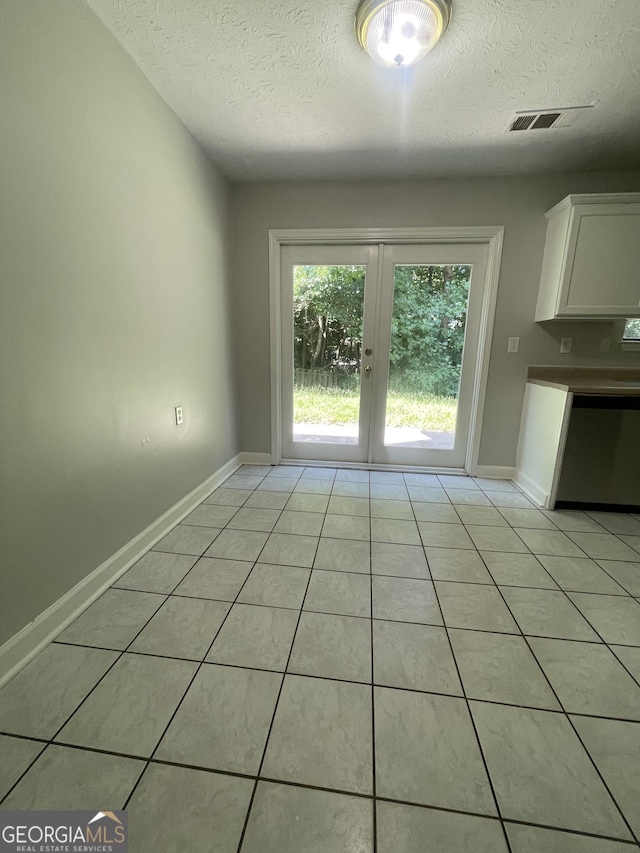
{"x":514,"y":345}
{"x":566,"y":344}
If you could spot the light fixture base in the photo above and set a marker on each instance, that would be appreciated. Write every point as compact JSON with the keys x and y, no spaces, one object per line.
{"x":399,"y":33}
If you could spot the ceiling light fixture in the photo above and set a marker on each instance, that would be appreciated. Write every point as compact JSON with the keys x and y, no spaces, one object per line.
{"x":398,"y":33}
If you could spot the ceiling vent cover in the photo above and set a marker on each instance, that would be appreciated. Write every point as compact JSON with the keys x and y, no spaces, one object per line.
{"x":552,"y":119}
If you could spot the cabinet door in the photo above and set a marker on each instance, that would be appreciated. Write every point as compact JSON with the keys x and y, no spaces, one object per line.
{"x":602,"y":272}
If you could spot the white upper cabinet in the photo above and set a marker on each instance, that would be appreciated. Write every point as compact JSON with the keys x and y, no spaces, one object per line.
{"x":591,"y":266}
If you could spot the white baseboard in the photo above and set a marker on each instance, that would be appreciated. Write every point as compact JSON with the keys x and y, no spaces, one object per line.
{"x":247,"y":458}
{"x":532,"y":490}
{"x":23,"y":646}
{"x":495,"y":472}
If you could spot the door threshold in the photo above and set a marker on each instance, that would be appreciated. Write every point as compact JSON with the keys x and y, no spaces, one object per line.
{"x":374,"y":466}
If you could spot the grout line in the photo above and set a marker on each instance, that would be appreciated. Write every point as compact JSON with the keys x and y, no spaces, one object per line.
{"x":273,"y":716}
{"x":473,"y":723}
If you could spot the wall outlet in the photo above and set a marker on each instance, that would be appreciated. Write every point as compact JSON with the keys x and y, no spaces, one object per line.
{"x":566,"y":344}
{"x":514,"y":345}
{"x":179,"y":418}
{"x":605,"y":345}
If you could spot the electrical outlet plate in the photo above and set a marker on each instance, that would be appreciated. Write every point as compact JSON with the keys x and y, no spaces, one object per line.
{"x":178,"y":413}
{"x":566,"y":344}
{"x":514,"y":345}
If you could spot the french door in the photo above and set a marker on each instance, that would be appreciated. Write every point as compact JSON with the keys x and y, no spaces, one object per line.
{"x":379,"y":349}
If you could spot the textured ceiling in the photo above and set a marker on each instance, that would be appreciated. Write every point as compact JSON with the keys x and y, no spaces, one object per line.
{"x":280,"y":89}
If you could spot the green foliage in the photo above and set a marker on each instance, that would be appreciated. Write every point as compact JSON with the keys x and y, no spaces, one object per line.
{"x":427,"y":330}
{"x":632,"y":329}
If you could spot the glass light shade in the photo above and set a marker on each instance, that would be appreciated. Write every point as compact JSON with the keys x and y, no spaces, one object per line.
{"x":398,"y":33}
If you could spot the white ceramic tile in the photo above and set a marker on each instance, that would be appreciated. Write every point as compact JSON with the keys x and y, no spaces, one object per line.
{"x":268,"y":500}
{"x":255,"y":637}
{"x":510,"y":499}
{"x":406,"y":561}
{"x":347,"y":527}
{"x":210,"y":515}
{"x":321,"y":735}
{"x":486,"y":515}
{"x":113,"y":620}
{"x":130,"y":708}
{"x":182,"y":628}
{"x":352,"y":475}
{"x":224,"y":720}
{"x":487,"y":538}
{"x":453,"y":564}
{"x":299,"y":502}
{"x":387,"y":478}
{"x":567,"y":519}
{"x":468,"y":497}
{"x":295,"y":471}
{"x":253,"y":518}
{"x":616,"y":619}
{"x":394,"y":531}
{"x":38,"y":700}
{"x":320,"y":473}
{"x":339,"y":505}
{"x":215,"y":578}
{"x":278,"y":484}
{"x":187,"y":539}
{"x":475,"y":606}
{"x":309,"y":486}
{"x":413,"y":657}
{"x":547,"y":613}
{"x":533,"y":839}
{"x":456,"y":482}
{"x":391,"y":509}
{"x":156,"y":572}
{"x":302,"y":523}
{"x":489,"y":485}
{"x":615,"y":748}
{"x":343,"y":555}
{"x":420,"y":494}
{"x":275,"y":586}
{"x":427,"y":752}
{"x":517,"y":570}
{"x":435,"y":512}
{"x":404,"y":829}
{"x":288,"y":550}
{"x":438,"y":535}
{"x":288,"y":819}
{"x":344,"y":593}
{"x":588,"y":678}
{"x":238,"y":545}
{"x":630,"y":657}
{"x":500,"y":668}
{"x":580,"y":575}
{"x":522,"y":747}
{"x":617,"y":522}
{"x":604,"y":546}
{"x":624,"y":573}
{"x":429,"y":481}
{"x":66,"y":779}
{"x":228,"y":497}
{"x":380,"y":491}
{"x":554,"y":543}
{"x":532,"y":518}
{"x":177,"y":807}
{"x":16,"y":754}
{"x":405,"y":600}
{"x":331,"y":646}
{"x":350,"y":490}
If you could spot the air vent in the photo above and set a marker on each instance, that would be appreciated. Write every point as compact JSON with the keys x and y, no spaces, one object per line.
{"x":546,"y":119}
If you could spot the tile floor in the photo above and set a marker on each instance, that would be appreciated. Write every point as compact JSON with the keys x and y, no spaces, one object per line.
{"x":331,"y":661}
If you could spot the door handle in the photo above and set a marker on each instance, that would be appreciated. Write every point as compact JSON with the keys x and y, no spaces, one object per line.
{"x":367,"y":369}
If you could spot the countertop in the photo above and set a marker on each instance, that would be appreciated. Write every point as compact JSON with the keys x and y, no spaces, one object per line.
{"x":592,"y":381}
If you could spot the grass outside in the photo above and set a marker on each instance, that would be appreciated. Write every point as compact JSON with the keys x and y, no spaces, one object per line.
{"x":337,"y":406}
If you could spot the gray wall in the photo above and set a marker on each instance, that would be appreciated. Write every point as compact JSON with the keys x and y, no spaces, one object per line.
{"x":113,"y":305}
{"x":517,"y":203}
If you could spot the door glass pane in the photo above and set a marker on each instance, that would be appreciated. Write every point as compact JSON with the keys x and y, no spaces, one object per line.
{"x":327,"y":342}
{"x":427,"y":339}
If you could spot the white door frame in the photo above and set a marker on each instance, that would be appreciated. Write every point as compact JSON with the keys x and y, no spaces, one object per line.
{"x":492,"y":236}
